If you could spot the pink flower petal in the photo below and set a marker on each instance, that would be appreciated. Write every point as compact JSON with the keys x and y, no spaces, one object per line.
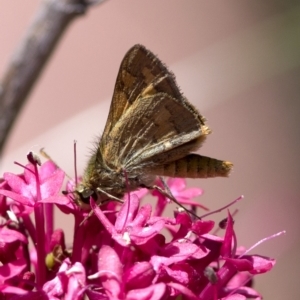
{"x":47,"y":169}
{"x":58,"y":285}
{"x":176,"y":252}
{"x":140,"y":275}
{"x":103,"y":219}
{"x":153,"y":292}
{"x":127,"y":213}
{"x":201,"y":227}
{"x":8,"y":289}
{"x":191,"y":193}
{"x":111,"y":270}
{"x":183,"y":218}
{"x":142,"y":216}
{"x":27,"y":201}
{"x":240,"y":264}
{"x":178,"y":274}
{"x":235,"y":297}
{"x":140,"y":193}
{"x":18,"y":185}
{"x":227,"y":244}
{"x":38,"y":295}
{"x":183,"y":290}
{"x":262,"y":264}
{"x":12,"y":269}
{"x":140,"y":235}
{"x":52,"y":185}
{"x":8,"y":236}
{"x":77,"y":281}
{"x":177,"y":184}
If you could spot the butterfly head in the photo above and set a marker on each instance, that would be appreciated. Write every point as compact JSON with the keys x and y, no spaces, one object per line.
{"x":84,"y":193}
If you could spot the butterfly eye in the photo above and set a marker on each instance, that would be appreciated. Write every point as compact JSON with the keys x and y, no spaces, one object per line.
{"x":85,"y":194}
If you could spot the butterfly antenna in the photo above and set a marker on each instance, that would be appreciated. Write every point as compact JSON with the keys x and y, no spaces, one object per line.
{"x":75,"y":161}
{"x":167,"y":192}
{"x":47,"y":156}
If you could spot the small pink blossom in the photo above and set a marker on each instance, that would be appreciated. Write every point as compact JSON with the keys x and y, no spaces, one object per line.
{"x":120,"y":252}
{"x":23,"y":187}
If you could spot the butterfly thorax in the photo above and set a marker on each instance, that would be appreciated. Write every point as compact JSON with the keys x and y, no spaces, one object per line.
{"x":104,"y":183}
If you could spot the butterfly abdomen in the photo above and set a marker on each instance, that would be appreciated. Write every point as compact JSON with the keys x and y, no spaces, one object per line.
{"x":195,"y":166}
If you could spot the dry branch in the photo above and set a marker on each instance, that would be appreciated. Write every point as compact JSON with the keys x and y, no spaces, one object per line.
{"x":47,"y":27}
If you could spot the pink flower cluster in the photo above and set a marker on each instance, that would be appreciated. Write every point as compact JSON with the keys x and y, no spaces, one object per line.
{"x":129,"y":251}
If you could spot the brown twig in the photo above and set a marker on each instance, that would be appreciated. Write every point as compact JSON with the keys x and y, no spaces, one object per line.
{"x":42,"y":35}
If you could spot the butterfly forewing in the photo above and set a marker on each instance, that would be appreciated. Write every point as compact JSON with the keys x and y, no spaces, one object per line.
{"x":155,"y":117}
{"x":151,"y":126}
{"x":138,"y":69}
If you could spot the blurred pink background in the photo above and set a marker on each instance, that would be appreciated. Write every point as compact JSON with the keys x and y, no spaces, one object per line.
{"x":237,"y":61}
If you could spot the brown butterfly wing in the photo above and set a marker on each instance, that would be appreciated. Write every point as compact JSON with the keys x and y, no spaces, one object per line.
{"x":146,"y":111}
{"x":139,"y":69}
{"x":151,"y":126}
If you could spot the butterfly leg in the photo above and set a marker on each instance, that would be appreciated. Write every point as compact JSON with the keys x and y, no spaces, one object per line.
{"x":167,"y":193}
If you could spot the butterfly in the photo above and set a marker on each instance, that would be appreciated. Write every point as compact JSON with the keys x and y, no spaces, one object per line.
{"x":152,"y":130}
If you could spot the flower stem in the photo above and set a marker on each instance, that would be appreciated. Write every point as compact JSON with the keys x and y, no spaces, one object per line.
{"x":78,"y":239}
{"x":48,"y":209}
{"x":30,"y":228}
{"x":40,"y":234}
{"x":40,"y":245}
